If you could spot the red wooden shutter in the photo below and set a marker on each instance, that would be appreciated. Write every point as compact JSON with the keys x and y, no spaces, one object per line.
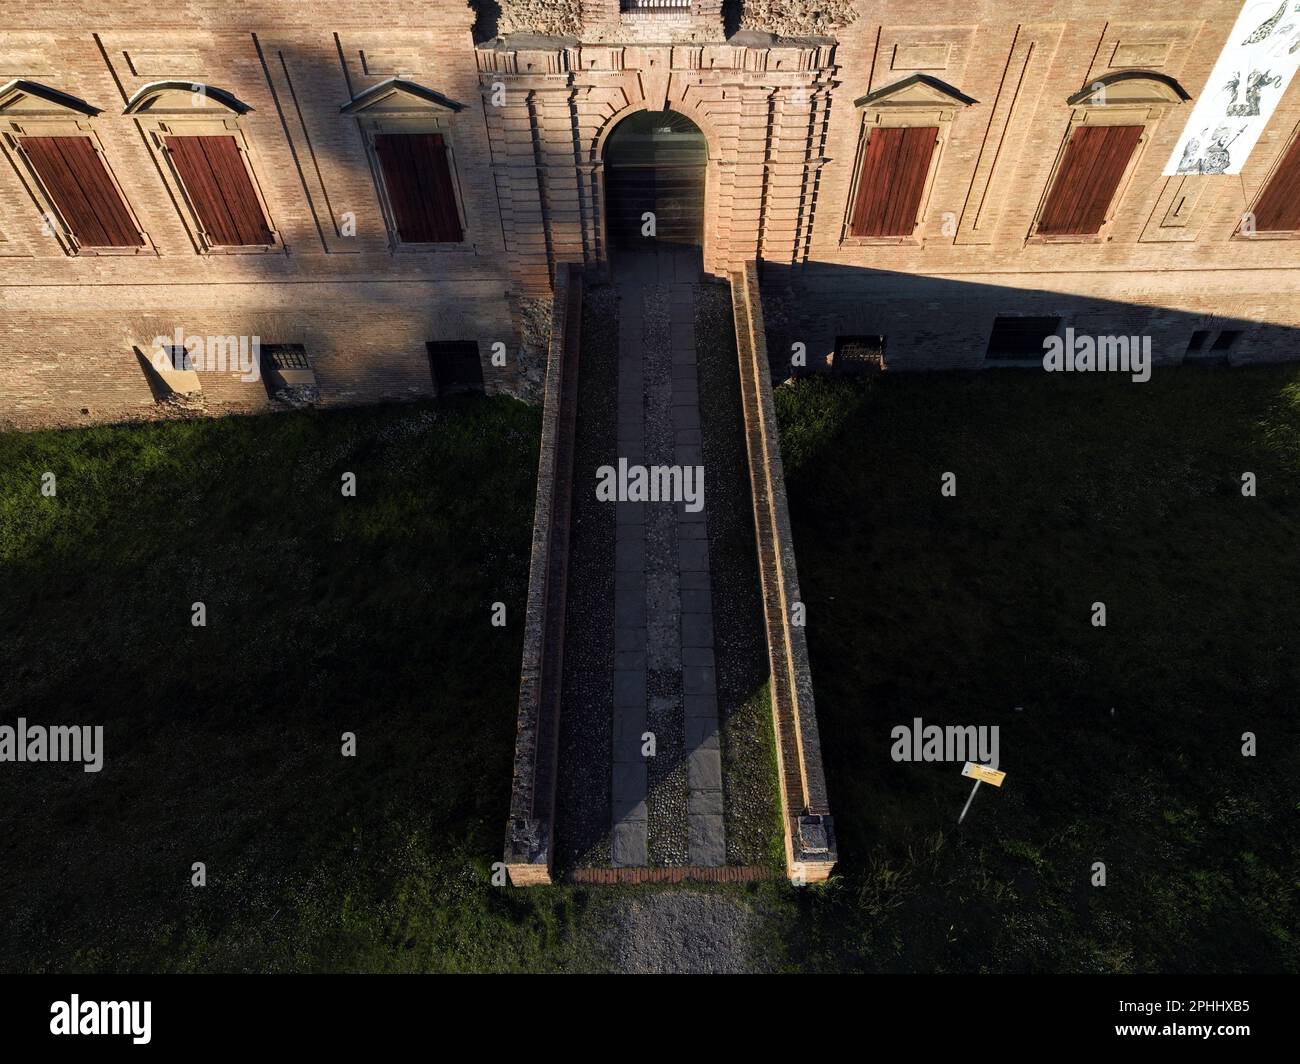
{"x":1085,"y":185}
{"x":420,"y":192}
{"x":895,"y":162}
{"x":1278,"y":209}
{"x":75,"y":178}
{"x":214,"y":175}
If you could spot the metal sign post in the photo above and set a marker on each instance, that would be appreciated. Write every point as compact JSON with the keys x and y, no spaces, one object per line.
{"x":981,"y":774}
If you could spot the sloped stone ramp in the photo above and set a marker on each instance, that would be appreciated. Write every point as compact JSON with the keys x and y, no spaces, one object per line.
{"x":620,"y":772}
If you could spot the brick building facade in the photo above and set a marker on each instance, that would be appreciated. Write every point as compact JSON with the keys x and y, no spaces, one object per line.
{"x":336,"y":123}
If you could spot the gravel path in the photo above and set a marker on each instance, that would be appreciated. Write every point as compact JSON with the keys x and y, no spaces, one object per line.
{"x":586,"y":728}
{"x":682,"y":931}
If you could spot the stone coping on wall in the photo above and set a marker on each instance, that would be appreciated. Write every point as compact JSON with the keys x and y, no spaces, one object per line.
{"x":531,"y":828}
{"x":809,"y":830}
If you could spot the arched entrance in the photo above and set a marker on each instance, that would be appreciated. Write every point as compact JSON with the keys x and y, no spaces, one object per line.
{"x":654,"y":161}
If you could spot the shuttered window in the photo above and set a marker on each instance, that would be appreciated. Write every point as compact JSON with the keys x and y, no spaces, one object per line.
{"x":1278,"y":209}
{"x":895,"y":162}
{"x":417,"y":179}
{"x":217,"y":182}
{"x":1085,"y":185}
{"x":81,"y":191}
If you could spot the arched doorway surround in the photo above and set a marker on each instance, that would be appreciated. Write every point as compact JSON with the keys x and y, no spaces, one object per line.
{"x":654,"y":162}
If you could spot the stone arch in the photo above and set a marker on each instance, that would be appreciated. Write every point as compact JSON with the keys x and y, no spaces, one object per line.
{"x":184,"y":97}
{"x":655,"y":164}
{"x":689,"y":108}
{"x":699,"y":119}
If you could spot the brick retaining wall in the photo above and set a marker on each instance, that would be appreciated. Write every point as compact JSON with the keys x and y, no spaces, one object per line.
{"x":531,"y":831}
{"x":809,"y":832}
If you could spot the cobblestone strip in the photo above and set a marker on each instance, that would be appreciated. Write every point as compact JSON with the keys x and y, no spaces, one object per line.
{"x":668,"y":842}
{"x":630,"y":701}
{"x":706,"y":836}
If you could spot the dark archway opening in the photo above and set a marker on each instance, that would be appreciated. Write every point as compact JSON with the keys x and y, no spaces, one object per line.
{"x":655,"y":164}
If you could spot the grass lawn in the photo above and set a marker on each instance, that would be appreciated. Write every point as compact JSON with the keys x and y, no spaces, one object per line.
{"x":325,"y":614}
{"x":371,"y":614}
{"x":1122,"y":744}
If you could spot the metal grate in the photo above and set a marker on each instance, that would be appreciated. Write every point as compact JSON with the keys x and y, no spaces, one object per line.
{"x":285,"y":356}
{"x":858,"y":354}
{"x":655,"y":7}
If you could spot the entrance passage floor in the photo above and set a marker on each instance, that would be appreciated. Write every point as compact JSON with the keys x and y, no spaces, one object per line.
{"x":641,"y":672}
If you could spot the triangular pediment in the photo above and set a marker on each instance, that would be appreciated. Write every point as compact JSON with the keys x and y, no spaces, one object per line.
{"x":184,"y":97}
{"x":399,"y":96}
{"x":1129,"y":87}
{"x":918,"y":90}
{"x":31,"y":98}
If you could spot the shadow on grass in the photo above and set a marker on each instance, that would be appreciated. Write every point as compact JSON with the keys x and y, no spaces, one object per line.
{"x":1123,"y":744}
{"x":325,"y":614}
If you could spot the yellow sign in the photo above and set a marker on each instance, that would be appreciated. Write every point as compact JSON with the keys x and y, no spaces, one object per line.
{"x":983,"y":773}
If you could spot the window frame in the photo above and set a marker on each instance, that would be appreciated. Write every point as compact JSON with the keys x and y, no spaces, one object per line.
{"x":918,"y":101}
{"x":1021,"y":361}
{"x":182,"y":109}
{"x":1103,"y":234}
{"x":371,"y":127}
{"x":1127,"y":98}
{"x":29,"y":109}
{"x":864,"y":135}
{"x":1292,"y":144}
{"x":399,"y":106}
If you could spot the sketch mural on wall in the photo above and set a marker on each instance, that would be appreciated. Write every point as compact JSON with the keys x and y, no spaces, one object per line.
{"x":1252,"y":72}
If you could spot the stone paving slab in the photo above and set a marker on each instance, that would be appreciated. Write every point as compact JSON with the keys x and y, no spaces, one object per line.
{"x":629,"y":843}
{"x":702,"y":733}
{"x":663,"y":669}
{"x":705,"y":769}
{"x":708,"y":842}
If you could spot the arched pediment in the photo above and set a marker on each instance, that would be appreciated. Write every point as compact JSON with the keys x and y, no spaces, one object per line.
{"x":917,"y":90}
{"x":1129,"y":87}
{"x":397,"y":96}
{"x":20,"y":97}
{"x":184,"y":97}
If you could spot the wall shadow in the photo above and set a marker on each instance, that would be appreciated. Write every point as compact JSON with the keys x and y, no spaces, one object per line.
{"x":940,"y":323}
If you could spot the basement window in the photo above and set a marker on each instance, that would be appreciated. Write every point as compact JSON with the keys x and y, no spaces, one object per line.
{"x":287,"y":374}
{"x":284,"y":356}
{"x":1016,"y":339}
{"x":455,"y":366}
{"x":1201,"y":349}
{"x":1226,"y":340}
{"x":858,"y":354}
{"x":175,"y":358}
{"x":170,"y":372}
{"x":1197,"y":343}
